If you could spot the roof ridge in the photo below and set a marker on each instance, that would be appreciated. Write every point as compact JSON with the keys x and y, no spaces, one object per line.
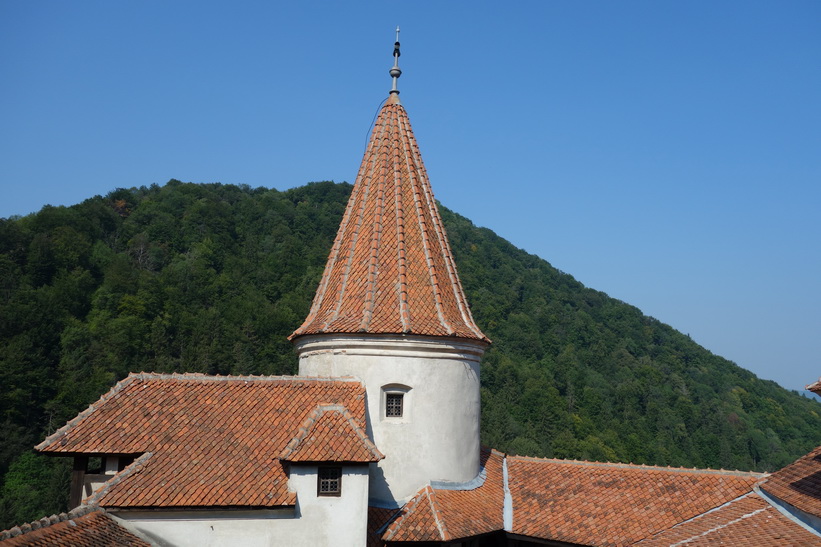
{"x":45,"y":522}
{"x":621,"y":465}
{"x":191,"y":376}
{"x":441,"y":525}
{"x":699,"y":516}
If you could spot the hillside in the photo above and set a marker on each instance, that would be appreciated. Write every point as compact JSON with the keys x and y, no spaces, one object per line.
{"x":212,"y":278}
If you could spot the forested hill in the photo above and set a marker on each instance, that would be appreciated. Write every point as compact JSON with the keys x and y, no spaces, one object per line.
{"x":212,"y":278}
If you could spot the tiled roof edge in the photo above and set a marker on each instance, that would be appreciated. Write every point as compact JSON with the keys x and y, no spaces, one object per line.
{"x":717,"y":527}
{"x":110,"y":394}
{"x":198,"y":376}
{"x":134,"y":467}
{"x":437,"y":514}
{"x":696,"y":517}
{"x":45,"y":522}
{"x":617,"y":465}
{"x":808,"y":521}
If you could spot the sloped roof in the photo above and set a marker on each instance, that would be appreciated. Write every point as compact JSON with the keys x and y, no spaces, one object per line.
{"x":83,"y":527}
{"x":445,"y":514}
{"x":204,"y":441}
{"x":390,"y":270}
{"x":798,"y":484}
{"x":331,"y":434}
{"x":748,"y":520}
{"x":586,"y":503}
{"x":612,"y":504}
{"x":815,"y":387}
{"x":378,"y":518}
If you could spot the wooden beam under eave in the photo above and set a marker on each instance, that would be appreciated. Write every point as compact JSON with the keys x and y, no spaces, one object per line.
{"x":78,"y":474}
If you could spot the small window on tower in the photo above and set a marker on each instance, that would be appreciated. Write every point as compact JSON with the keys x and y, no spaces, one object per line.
{"x":329,"y":481}
{"x":393,"y":405}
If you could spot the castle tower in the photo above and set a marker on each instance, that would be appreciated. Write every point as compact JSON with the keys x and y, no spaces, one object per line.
{"x":391,"y":311}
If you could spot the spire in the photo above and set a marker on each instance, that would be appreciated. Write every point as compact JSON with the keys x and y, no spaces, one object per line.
{"x":391,"y":270}
{"x":395,"y":71}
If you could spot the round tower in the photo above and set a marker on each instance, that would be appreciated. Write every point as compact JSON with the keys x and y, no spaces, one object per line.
{"x":390,"y":310}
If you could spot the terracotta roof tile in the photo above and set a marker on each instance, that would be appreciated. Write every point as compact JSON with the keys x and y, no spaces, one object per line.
{"x":83,"y":527}
{"x":445,"y":514}
{"x":798,"y":484}
{"x":815,"y":387}
{"x":391,"y":270}
{"x":418,"y":520}
{"x":378,"y":519}
{"x":612,"y":504}
{"x":205,"y":440}
{"x":331,"y":434}
{"x":748,"y":520}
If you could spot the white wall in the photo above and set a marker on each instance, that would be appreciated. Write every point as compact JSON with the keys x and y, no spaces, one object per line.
{"x":438,"y":438}
{"x":317,"y":521}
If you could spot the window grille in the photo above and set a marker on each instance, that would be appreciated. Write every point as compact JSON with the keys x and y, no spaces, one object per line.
{"x":393,"y":405}
{"x":329,"y":482}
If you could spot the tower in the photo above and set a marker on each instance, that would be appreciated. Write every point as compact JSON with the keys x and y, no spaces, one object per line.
{"x":391,"y":311}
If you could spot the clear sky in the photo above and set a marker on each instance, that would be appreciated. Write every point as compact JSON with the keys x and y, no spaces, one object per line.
{"x":667,"y":153}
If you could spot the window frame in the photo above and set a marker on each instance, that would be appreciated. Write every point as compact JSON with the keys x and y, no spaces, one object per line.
{"x":319,"y":481}
{"x":390,"y":390}
{"x":394,"y":396}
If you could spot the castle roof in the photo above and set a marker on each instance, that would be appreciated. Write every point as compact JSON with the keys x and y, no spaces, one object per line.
{"x":82,"y":527}
{"x":799,"y":484}
{"x":747,"y":520}
{"x":391,"y":270}
{"x":592,"y":503}
{"x":214,"y":441}
{"x":446,"y":514}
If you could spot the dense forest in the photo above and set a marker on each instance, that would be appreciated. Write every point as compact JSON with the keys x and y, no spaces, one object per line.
{"x":212,"y":278}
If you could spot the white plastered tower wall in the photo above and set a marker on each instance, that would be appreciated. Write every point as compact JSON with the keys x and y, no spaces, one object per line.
{"x":437,"y":437}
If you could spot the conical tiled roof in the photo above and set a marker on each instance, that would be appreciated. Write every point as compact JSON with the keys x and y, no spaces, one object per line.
{"x":390,"y":270}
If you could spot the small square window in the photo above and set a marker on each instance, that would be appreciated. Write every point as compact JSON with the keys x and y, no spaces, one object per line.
{"x":393,"y":405}
{"x":329,"y":481}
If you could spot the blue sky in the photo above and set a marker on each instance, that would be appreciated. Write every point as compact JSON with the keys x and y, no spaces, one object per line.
{"x":666,"y":153}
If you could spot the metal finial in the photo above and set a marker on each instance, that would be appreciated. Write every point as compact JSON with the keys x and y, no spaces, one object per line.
{"x":395,"y":72}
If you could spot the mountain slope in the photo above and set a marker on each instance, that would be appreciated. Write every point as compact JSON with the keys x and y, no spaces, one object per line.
{"x":212,"y":278}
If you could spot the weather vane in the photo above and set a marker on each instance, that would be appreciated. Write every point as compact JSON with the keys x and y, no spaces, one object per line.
{"x":395,"y":72}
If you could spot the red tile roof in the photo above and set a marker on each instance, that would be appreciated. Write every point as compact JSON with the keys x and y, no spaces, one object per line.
{"x":391,"y":270}
{"x":378,"y":518}
{"x":748,"y":520}
{"x":612,"y":504}
{"x":440,"y":514}
{"x":331,"y":434}
{"x":798,"y":484}
{"x":83,"y":527}
{"x":206,"y":441}
{"x":815,"y":387}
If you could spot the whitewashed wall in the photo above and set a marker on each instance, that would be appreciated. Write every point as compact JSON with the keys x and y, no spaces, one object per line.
{"x":317,"y":521}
